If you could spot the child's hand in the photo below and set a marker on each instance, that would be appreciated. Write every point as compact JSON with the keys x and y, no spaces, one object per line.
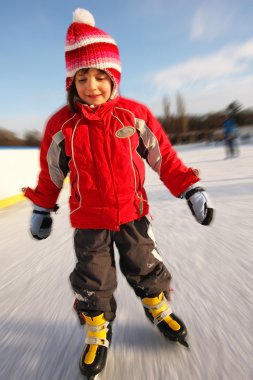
{"x":41,"y":222}
{"x":199,"y":204}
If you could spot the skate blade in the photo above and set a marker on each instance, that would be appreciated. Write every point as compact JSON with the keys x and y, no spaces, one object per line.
{"x":184,"y":343}
{"x":91,"y":377}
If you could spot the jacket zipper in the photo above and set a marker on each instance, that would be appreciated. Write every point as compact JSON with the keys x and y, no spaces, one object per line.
{"x":137,"y":180}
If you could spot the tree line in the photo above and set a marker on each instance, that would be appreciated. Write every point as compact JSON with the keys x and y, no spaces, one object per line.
{"x":183,"y":128}
{"x":9,"y":138}
{"x":180,"y":127}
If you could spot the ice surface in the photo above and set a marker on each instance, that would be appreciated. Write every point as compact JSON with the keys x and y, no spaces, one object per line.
{"x":212,"y":281}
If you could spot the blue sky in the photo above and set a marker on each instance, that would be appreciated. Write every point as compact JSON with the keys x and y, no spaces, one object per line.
{"x":200,"y":49}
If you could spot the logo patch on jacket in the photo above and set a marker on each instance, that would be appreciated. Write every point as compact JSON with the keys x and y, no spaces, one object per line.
{"x":124,"y":132}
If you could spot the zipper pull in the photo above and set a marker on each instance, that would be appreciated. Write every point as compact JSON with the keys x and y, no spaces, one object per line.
{"x":141,"y":206}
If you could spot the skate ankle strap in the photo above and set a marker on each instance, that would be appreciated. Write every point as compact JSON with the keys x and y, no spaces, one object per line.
{"x":159,"y":311}
{"x":157,"y":306}
{"x":97,"y":341}
{"x":97,"y":334}
{"x":96,"y":328}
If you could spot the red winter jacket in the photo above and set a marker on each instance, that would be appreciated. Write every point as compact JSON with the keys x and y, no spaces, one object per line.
{"x":103,"y":149}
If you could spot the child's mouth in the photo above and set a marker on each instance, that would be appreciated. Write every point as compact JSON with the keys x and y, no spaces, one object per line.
{"x":94,"y":96}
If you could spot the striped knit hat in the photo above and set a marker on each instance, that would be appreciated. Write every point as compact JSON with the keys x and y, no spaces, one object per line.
{"x":90,"y":47}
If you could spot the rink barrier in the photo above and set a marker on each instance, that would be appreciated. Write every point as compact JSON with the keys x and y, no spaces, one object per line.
{"x":9,"y":201}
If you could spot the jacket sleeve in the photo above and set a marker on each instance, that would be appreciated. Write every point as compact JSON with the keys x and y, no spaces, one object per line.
{"x":161,"y":156}
{"x":53,"y":168}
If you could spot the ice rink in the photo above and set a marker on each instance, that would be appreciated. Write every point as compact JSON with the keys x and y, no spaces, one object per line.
{"x":212,"y":287}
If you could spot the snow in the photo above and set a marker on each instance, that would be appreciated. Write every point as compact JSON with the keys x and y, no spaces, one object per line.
{"x":212,"y":282}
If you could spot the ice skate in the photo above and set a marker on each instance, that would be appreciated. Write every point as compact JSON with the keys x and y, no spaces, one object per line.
{"x":159,"y":313}
{"x":98,"y":338}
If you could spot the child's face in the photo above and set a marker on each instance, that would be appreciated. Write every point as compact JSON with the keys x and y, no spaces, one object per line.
{"x":93,"y":86}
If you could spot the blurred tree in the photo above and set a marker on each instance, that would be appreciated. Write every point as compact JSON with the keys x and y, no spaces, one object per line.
{"x":8,"y":138}
{"x":32,"y":138}
{"x":181,"y":113}
{"x":166,"y":107}
{"x":166,"y":115}
{"x":246,"y":117}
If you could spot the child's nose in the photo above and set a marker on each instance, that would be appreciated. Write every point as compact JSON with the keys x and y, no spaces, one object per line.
{"x":92,"y":84}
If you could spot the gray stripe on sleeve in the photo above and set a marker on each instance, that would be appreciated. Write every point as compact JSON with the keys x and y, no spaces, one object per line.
{"x":151,"y":143}
{"x":53,"y":159}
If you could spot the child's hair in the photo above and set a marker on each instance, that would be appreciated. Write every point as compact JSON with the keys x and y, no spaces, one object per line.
{"x":72,"y":96}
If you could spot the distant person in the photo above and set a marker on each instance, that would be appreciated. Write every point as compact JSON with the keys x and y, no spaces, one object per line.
{"x":102,"y":140}
{"x":230,"y":137}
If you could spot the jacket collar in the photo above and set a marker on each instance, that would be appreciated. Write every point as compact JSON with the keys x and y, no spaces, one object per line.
{"x":96,"y":112}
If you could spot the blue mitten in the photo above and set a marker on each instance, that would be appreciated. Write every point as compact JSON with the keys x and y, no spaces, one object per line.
{"x":199,"y":204}
{"x":41,"y":222}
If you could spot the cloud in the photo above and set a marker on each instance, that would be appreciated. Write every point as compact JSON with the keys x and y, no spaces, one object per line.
{"x":198,"y":71}
{"x":211,"y":20}
{"x":210,"y":82}
{"x":217,"y":96}
{"x":213,"y":97}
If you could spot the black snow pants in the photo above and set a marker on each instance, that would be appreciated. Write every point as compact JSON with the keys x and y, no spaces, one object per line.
{"x":94,"y":278}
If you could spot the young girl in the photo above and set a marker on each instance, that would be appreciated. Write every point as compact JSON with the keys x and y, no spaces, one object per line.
{"x":102,"y":140}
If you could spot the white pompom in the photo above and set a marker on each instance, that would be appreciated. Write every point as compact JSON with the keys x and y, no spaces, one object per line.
{"x":83,"y":16}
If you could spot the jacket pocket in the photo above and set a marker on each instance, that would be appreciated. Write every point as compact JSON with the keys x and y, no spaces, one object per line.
{"x":137,"y":176}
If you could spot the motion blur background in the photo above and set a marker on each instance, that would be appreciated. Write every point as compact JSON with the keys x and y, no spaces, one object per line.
{"x":190,"y":62}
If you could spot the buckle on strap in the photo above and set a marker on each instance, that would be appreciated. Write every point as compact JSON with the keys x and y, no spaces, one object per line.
{"x":160,"y":317}
{"x":155,"y":307}
{"x":98,"y":341}
{"x":96,"y":328}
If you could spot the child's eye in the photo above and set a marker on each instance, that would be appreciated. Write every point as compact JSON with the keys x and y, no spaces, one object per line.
{"x":100,"y":78}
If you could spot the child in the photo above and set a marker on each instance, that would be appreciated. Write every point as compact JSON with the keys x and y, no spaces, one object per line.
{"x":101,"y":140}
